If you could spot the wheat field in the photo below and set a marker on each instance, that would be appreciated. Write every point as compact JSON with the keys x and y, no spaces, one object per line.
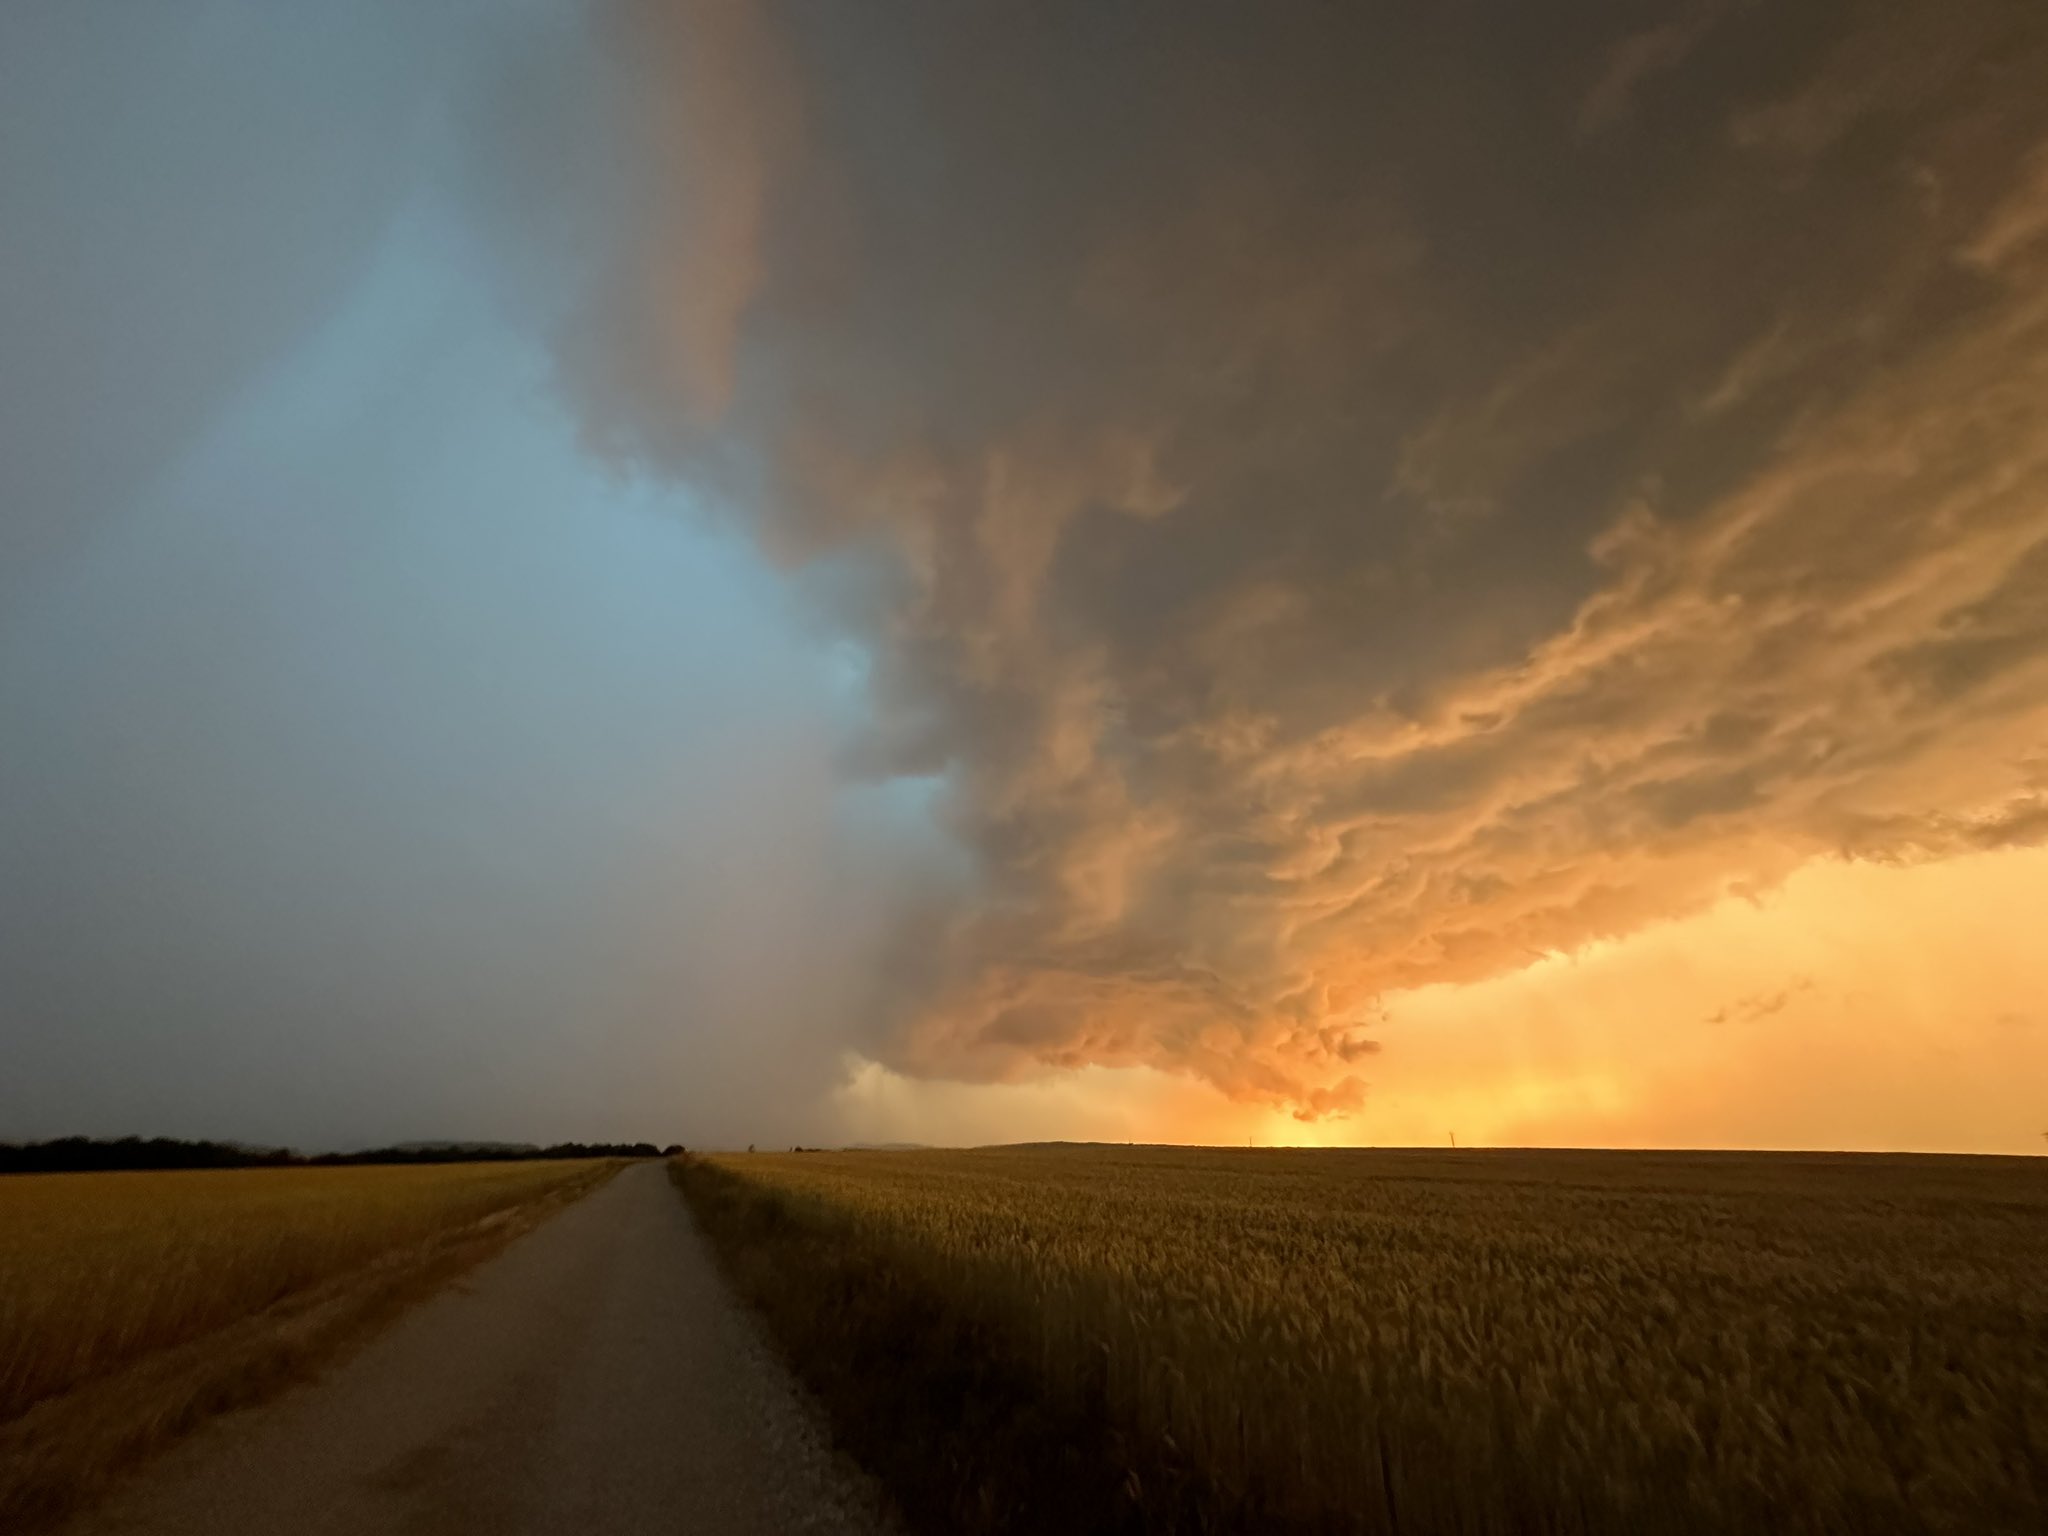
{"x":98,"y":1269}
{"x":1413,"y":1341}
{"x":131,"y":1304}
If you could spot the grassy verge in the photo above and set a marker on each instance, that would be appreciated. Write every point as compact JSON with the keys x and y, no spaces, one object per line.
{"x":1163,"y":1340}
{"x":132,"y":1306}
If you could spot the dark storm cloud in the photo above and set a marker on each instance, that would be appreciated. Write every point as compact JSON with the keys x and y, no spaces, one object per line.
{"x":1350,"y":497}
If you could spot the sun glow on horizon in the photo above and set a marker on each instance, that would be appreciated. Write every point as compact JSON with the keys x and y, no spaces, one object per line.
{"x":1858,"y":1006}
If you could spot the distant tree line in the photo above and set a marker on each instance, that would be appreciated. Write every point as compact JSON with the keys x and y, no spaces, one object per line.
{"x":84,"y":1154}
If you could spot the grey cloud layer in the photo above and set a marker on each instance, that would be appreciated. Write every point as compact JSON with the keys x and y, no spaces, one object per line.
{"x":1349,"y":502}
{"x":373,"y":765}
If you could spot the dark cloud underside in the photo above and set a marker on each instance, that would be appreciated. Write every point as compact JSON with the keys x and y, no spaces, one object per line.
{"x":1350,"y":497}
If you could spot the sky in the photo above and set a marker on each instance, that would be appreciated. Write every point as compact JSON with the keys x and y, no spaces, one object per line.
{"x":765,"y":573}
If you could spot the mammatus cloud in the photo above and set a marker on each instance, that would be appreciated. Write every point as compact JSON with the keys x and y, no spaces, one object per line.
{"x":1349,"y":503}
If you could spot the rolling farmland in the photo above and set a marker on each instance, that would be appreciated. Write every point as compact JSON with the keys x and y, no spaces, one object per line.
{"x":1153,"y":1339}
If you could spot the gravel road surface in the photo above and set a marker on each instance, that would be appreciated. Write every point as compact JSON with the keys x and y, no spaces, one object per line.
{"x":595,"y":1377}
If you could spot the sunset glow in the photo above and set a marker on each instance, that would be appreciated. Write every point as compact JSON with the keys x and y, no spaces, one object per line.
{"x":1857,"y":1007}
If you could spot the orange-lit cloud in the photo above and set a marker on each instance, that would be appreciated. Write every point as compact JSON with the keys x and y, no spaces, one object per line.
{"x":1858,"y":1006}
{"x":1342,"y":517}
{"x":702,"y":90}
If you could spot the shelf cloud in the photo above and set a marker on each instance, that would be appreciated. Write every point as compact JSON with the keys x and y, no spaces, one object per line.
{"x":1349,"y":501}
